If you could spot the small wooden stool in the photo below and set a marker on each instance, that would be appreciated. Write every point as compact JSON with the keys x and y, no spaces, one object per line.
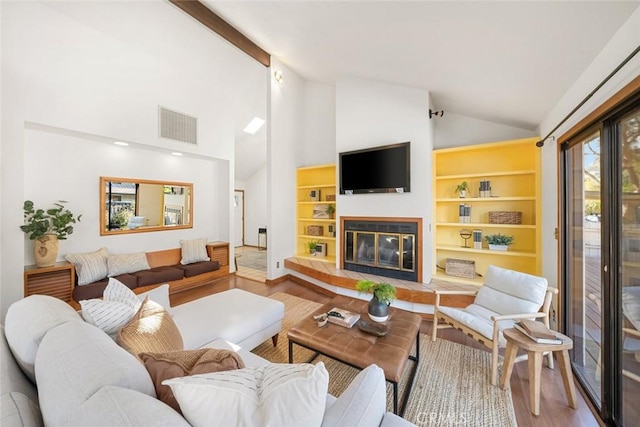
{"x":516,"y":339}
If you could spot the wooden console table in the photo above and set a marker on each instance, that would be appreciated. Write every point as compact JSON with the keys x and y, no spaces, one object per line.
{"x":56,"y":281}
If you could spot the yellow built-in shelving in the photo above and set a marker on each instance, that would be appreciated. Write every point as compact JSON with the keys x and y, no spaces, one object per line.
{"x":513,"y":168}
{"x":321,"y":180}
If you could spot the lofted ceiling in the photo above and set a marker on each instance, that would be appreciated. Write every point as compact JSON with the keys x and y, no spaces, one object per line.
{"x":507,"y":62}
{"x":504,"y":61}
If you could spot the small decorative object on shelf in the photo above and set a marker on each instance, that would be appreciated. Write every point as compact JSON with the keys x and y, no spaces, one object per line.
{"x":464,"y":213}
{"x":383,"y":294}
{"x":462,"y":189}
{"x":505,"y":217}
{"x":321,"y":212}
{"x":330,"y":197}
{"x":331,"y":209}
{"x":485,"y":189}
{"x":477,"y":239}
{"x":312,"y":246}
{"x":332,"y":230}
{"x":46,"y":228}
{"x":314,"y":195}
{"x":460,"y":268}
{"x":315,"y":230}
{"x":466,"y":234}
{"x":499,"y":242}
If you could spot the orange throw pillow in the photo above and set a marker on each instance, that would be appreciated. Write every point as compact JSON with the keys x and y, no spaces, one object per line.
{"x":150,"y":330}
{"x":173,"y":364}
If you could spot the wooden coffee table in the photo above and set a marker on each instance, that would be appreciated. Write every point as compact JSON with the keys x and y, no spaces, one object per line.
{"x":358,"y":349}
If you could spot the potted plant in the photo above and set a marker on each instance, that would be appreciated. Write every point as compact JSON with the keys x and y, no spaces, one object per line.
{"x":462,"y":188}
{"x":499,"y":242}
{"x":312,"y":246}
{"x":331,"y":209}
{"x":45,"y":228}
{"x":383,"y":295}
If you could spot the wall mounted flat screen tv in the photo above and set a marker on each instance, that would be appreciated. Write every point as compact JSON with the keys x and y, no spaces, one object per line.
{"x":383,"y":169}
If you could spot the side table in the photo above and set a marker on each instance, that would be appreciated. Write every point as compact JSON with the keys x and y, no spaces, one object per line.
{"x":57,"y":280}
{"x":516,"y":339}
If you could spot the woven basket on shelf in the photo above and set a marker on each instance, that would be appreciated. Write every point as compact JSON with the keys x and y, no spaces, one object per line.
{"x":460,"y":268}
{"x":315,"y":230}
{"x":505,"y":217}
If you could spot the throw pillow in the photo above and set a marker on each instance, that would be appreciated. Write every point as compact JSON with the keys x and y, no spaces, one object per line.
{"x":127,"y":263}
{"x":160,"y":295}
{"x":118,"y":305}
{"x":90,"y":267}
{"x":174,"y":364}
{"x":254,"y":396}
{"x":151,"y":330}
{"x":194,"y":251}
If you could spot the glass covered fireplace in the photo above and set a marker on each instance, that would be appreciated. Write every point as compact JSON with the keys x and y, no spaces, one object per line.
{"x":385,"y":248}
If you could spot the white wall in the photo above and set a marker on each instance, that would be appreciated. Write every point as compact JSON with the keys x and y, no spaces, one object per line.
{"x":455,"y":130}
{"x":102,"y":68}
{"x":319,"y":129}
{"x":255,"y":208}
{"x":284,"y":135}
{"x":80,"y":186}
{"x":370,"y":114}
{"x":619,"y":47}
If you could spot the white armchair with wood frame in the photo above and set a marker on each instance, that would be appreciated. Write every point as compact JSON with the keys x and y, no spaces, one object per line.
{"x":506,"y":297}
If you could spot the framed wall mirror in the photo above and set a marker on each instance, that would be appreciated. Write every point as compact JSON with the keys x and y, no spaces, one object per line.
{"x":139,"y":205}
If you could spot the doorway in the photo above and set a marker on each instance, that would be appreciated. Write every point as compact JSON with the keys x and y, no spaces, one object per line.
{"x":238,"y":213}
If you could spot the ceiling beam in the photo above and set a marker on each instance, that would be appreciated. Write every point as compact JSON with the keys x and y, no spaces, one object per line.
{"x":209,"y":19}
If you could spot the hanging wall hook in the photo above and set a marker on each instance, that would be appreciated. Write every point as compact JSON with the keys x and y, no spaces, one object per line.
{"x":435,"y":113}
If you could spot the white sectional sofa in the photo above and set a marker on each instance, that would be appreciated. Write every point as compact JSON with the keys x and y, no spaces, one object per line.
{"x":62,"y":371}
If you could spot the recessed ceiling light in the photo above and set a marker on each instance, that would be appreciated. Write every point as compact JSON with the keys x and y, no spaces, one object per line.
{"x":121,"y":143}
{"x":254,"y":125}
{"x":175,"y":153}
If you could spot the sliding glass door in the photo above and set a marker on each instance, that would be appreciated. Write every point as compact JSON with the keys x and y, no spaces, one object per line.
{"x":600,"y":262}
{"x":628,"y":131}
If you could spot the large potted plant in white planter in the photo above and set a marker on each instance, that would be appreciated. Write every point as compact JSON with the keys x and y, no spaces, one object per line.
{"x":45,"y":228}
{"x":499,"y":242}
{"x":383,"y":294}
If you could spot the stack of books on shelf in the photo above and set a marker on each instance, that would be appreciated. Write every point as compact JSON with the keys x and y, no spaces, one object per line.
{"x":342,"y":317}
{"x":477,"y":239}
{"x":464,"y":213}
{"x":485,"y":189}
{"x":537,"y":331}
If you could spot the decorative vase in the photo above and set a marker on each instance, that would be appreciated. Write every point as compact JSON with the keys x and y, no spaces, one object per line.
{"x":463,"y":194}
{"x":498,"y":247}
{"x":378,"y":311}
{"x":46,"y":250}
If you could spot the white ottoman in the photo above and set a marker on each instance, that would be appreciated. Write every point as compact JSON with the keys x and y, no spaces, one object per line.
{"x":235,"y":315}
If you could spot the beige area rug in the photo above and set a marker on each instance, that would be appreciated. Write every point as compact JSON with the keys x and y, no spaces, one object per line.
{"x":451,"y":387}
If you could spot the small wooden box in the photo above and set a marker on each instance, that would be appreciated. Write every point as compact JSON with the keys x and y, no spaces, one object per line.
{"x":330,"y":197}
{"x":315,"y":230}
{"x":460,"y":268}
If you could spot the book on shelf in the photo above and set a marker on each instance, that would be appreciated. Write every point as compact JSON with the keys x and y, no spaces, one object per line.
{"x":554,"y":340}
{"x":464,"y":213}
{"x":485,"y":189}
{"x":477,"y":239}
{"x":347,"y":320}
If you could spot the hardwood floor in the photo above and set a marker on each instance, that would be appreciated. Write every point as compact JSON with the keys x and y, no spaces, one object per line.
{"x":553,"y":402}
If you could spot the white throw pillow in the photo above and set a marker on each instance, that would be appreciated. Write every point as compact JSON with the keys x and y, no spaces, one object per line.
{"x":90,"y":267}
{"x":274,"y":395}
{"x":194,"y":251}
{"x":117,"y":307}
{"x":127,"y":263}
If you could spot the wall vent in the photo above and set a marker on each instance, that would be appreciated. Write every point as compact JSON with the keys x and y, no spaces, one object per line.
{"x":178,"y":126}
